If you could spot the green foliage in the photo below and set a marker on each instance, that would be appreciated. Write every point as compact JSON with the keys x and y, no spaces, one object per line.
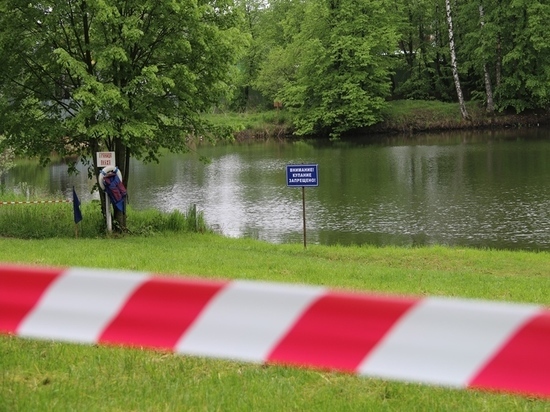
{"x":264,"y":25}
{"x":129,"y":76}
{"x":136,"y":76}
{"x":526,"y":56}
{"x":512,"y":44}
{"x":333,"y":75}
{"x":275,"y":71}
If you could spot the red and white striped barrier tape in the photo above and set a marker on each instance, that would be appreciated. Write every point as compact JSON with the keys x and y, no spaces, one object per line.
{"x":33,"y":202}
{"x":443,"y":341}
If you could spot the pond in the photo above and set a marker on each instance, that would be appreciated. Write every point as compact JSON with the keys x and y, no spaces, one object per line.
{"x":479,"y":189}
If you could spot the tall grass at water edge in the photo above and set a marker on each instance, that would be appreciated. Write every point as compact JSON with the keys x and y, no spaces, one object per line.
{"x":47,"y":220}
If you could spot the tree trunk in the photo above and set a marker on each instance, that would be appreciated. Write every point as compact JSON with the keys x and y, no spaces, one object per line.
{"x":454,"y":65}
{"x":498,"y":70}
{"x":487,"y":78}
{"x":499,"y":60}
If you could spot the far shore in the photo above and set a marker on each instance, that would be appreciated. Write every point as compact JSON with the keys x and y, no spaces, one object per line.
{"x":409,"y":117}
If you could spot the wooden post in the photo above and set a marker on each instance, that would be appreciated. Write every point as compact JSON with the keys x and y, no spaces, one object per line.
{"x":195,"y":217}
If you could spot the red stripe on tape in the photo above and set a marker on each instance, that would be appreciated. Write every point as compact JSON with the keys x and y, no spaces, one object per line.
{"x":158,"y":312}
{"x":20,"y":290}
{"x":338,"y":330}
{"x":523,"y":364}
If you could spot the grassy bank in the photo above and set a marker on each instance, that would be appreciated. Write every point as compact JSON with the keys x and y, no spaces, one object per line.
{"x":471,"y":273}
{"x":400,"y":116}
{"x":411,"y":116}
{"x":254,"y":124}
{"x":54,"y":376}
{"x":27,"y":220}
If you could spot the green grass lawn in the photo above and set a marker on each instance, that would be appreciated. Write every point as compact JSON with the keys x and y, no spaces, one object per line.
{"x":43,"y":375}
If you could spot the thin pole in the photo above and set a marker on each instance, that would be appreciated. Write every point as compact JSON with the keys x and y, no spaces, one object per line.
{"x":304,"y":212}
{"x":195,"y":217}
{"x":108,"y":213}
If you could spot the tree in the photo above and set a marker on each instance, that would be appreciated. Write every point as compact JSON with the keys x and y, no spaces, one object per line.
{"x":454,"y":64}
{"x":478,"y":49}
{"x":486,"y":75}
{"x":334,"y":73}
{"x":423,"y":49}
{"x":132,"y":76}
{"x":525,"y":50}
{"x":248,"y":66}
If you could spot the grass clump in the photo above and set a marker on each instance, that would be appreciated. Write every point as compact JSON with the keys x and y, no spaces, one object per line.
{"x":153,"y":221}
{"x":56,"y":220}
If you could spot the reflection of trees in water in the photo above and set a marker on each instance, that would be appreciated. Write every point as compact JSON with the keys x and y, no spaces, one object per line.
{"x":6,"y":163}
{"x":28,"y":177}
{"x":59,"y":177}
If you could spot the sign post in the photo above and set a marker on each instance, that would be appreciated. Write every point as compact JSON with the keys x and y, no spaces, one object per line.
{"x":305,"y":175}
{"x":105,"y":159}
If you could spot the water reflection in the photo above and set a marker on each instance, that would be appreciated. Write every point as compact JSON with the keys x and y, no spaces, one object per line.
{"x":474,"y":189}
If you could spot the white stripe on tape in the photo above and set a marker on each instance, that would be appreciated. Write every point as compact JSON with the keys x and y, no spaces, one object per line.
{"x":246,"y":319}
{"x":79,"y":304}
{"x":445,"y":341}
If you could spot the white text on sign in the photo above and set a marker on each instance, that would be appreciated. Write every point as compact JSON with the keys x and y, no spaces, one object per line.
{"x":302,"y":175}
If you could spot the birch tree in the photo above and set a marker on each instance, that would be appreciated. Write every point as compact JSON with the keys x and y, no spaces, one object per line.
{"x":454,"y":64}
{"x":486,"y":76}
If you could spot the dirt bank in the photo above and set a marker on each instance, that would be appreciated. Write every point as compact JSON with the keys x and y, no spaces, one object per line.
{"x":420,"y":121}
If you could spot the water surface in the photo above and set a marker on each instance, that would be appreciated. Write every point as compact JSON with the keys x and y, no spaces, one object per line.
{"x":485,"y":189}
